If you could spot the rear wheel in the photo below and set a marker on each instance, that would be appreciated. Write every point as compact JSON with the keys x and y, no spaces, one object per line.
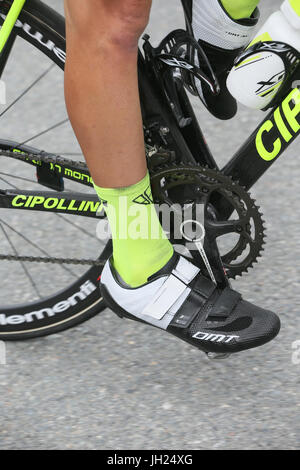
{"x":41,"y":293}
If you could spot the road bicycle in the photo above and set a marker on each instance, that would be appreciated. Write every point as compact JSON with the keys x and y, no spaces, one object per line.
{"x":49,"y":211}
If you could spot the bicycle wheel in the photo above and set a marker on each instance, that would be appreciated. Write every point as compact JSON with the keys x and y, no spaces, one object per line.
{"x":40,"y":292}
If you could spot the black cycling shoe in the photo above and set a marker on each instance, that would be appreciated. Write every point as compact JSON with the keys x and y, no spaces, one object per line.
{"x":223,"y":106}
{"x":181,"y":301}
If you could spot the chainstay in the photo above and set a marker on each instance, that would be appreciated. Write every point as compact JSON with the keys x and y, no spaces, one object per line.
{"x":44,"y":157}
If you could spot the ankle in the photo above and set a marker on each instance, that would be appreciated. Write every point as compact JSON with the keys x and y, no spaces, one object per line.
{"x":140,"y":246}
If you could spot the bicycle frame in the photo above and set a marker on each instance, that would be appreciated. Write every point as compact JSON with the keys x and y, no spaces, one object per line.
{"x":264,"y":146}
{"x":9,"y":22}
{"x":277,"y":131}
{"x":268,"y":142}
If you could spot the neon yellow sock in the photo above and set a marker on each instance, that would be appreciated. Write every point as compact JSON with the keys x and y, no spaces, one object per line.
{"x":239,"y":9}
{"x":140,"y":246}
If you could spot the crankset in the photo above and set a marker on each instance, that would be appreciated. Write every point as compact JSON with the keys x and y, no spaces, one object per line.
{"x":231,"y":244}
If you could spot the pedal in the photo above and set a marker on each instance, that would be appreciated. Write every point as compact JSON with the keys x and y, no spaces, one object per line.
{"x":217,"y":356}
{"x":173,"y":83}
{"x":178,"y":51}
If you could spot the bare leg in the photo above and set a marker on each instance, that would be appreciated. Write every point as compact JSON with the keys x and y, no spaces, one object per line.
{"x":101,"y":86}
{"x":102,"y":97}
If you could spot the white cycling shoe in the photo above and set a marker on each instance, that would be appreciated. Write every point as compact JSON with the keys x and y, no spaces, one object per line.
{"x":181,"y":301}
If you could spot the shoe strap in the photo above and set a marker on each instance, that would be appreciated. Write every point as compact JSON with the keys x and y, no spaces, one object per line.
{"x":198,"y":302}
{"x":189,"y":310}
{"x":185,"y":270}
{"x":202,"y":290}
{"x":173,"y":288}
{"x":225,"y":304}
{"x":203,"y":286}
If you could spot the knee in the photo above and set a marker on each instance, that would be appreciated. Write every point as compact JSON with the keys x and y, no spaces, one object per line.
{"x":115,"y":23}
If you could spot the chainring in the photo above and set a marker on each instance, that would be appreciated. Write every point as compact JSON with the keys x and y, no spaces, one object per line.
{"x":190,"y":184}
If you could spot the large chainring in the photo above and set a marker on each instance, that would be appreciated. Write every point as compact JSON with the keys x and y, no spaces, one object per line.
{"x":192,"y":184}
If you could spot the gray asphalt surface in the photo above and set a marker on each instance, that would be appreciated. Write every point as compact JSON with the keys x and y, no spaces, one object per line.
{"x":112,"y":384}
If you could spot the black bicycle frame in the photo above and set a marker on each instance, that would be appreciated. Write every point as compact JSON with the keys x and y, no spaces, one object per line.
{"x":264,"y":146}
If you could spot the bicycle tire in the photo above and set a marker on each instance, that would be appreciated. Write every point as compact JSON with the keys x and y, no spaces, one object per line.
{"x":44,"y":29}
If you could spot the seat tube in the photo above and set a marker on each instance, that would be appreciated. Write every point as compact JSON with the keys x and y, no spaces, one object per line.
{"x":10,"y":21}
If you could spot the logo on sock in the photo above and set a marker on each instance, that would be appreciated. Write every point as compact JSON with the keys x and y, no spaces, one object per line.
{"x":145,"y":198}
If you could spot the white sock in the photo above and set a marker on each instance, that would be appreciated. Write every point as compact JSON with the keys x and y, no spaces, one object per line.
{"x":291,"y":14}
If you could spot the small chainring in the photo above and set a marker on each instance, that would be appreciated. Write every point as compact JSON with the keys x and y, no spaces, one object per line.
{"x":192,"y":184}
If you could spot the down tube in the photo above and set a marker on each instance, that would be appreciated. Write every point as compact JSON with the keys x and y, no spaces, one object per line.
{"x":267,"y":143}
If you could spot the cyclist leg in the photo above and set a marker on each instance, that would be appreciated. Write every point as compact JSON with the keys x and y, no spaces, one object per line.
{"x":103,"y":102}
{"x":102,"y":98}
{"x":101,"y":86}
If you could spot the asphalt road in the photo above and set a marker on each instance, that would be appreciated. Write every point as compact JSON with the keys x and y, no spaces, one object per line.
{"x":112,"y":384}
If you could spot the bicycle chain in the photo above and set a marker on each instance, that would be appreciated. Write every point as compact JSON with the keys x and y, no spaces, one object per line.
{"x":44,"y":157}
{"x":32,"y":259}
{"x":55,"y":160}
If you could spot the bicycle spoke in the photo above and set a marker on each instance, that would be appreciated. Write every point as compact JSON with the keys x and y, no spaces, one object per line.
{"x":17,"y":178}
{"x":9,"y":184}
{"x":55,"y":126}
{"x":82,"y":230}
{"x":30,"y":278}
{"x":35,"y":245}
{"x":22,"y":179}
